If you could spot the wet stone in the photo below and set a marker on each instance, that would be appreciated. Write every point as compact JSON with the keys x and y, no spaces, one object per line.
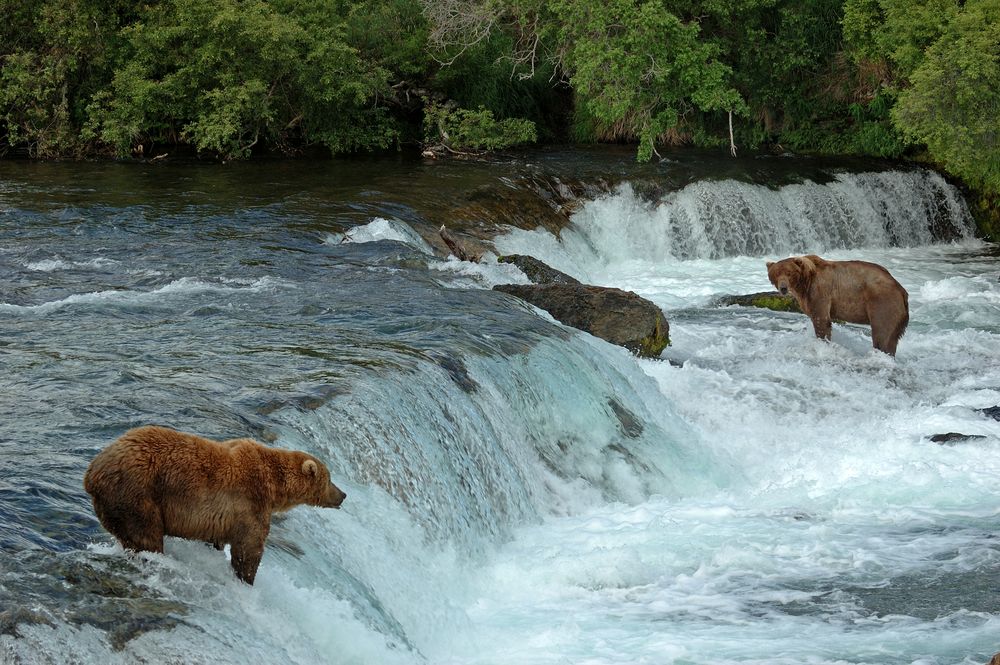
{"x":955,"y":437}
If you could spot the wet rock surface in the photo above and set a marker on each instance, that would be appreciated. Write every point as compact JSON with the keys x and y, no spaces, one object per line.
{"x":955,"y":437}
{"x":537,"y":271}
{"x":620,"y":317}
{"x":765,"y":299}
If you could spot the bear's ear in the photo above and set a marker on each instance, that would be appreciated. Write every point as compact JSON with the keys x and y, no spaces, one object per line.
{"x":309,"y":468}
{"x":770,"y":263}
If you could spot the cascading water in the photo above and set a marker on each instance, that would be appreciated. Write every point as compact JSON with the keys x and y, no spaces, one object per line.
{"x":729,"y":218}
{"x":517,"y":491}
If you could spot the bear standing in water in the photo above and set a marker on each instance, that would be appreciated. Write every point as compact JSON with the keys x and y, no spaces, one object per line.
{"x":155,"y":482}
{"x":851,"y":291}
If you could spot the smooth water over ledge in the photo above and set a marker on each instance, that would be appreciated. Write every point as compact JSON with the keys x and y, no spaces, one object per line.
{"x":518,"y":492}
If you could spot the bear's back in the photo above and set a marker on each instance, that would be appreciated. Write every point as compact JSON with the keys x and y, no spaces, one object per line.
{"x":160,"y":458}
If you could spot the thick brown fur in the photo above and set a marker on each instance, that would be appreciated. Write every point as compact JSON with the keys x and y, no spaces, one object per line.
{"x":154,"y":482}
{"x":851,"y":291}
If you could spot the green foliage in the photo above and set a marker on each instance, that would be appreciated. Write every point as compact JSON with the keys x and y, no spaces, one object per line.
{"x":484,"y":75}
{"x":897,"y":30}
{"x":52,"y":55}
{"x":463,"y":129}
{"x":985,"y":207}
{"x":638,"y":69}
{"x":392,"y":34}
{"x":953,"y":101}
{"x":862,"y":25}
{"x":226,"y":74}
{"x":777,"y":48}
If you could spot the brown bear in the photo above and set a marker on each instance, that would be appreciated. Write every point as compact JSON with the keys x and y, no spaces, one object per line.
{"x":851,"y":291}
{"x":154,"y":482}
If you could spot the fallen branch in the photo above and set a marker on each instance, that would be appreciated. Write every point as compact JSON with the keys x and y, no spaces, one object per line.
{"x":732,"y":143}
{"x":456,"y":247}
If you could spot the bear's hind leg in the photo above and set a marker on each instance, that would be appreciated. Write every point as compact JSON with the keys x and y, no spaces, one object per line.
{"x":887,"y":328}
{"x":137,"y":526}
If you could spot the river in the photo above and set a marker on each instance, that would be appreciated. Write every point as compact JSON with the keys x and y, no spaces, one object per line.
{"x":518,"y":492}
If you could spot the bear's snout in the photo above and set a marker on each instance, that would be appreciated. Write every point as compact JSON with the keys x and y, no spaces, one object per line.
{"x":783,"y":289}
{"x":334,"y":497}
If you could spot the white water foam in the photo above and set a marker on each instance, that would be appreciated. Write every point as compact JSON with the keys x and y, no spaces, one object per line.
{"x":54,"y":264}
{"x":378,"y":229}
{"x":842,"y":506}
{"x":485,"y":273}
{"x":124,"y":298}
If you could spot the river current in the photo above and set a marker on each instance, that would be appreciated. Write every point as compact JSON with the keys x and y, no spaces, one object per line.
{"x":518,"y":491}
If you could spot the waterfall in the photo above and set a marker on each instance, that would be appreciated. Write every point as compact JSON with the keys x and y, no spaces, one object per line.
{"x":501,"y":441}
{"x":716,"y":219}
{"x":442,"y":465}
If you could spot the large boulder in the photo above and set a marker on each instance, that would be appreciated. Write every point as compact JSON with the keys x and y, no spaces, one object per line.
{"x":620,"y":317}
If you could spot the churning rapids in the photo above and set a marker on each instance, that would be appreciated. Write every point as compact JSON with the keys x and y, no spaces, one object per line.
{"x":518,"y":492}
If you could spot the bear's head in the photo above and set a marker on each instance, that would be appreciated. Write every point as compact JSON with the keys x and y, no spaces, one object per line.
{"x":310,"y":484}
{"x":792,"y":274}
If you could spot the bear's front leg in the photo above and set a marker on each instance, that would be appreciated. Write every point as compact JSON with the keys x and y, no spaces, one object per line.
{"x":823,"y":327}
{"x":819,"y":312}
{"x":247,"y":549}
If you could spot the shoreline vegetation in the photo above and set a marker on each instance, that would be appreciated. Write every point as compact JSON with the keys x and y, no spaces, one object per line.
{"x":231,"y":79}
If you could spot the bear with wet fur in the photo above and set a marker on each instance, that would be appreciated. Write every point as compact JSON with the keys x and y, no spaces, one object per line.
{"x":851,"y":291}
{"x":154,"y":482}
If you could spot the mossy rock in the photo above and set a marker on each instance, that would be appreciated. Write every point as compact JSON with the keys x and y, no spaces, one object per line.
{"x":985,"y":210}
{"x":652,"y":345}
{"x":767,"y":300}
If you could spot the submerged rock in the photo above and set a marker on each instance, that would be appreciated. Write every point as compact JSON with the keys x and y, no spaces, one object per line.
{"x":537,"y":271}
{"x":955,"y":437}
{"x":766,"y":299}
{"x":620,"y":317}
{"x":106,"y":592}
{"x":991,"y":412}
{"x":631,"y":426}
{"x":527,"y":203}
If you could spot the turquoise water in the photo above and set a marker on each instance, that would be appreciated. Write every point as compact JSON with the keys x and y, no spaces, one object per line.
{"x":518,"y":492}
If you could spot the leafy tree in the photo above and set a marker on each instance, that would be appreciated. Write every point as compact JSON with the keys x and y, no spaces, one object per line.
{"x":53,"y":55}
{"x":638,"y":69}
{"x":226,"y":74}
{"x":952,"y":103}
{"x":780,"y":52}
{"x":876,"y":77}
{"x":897,"y":30}
{"x":484,"y":75}
{"x":392,"y":34}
